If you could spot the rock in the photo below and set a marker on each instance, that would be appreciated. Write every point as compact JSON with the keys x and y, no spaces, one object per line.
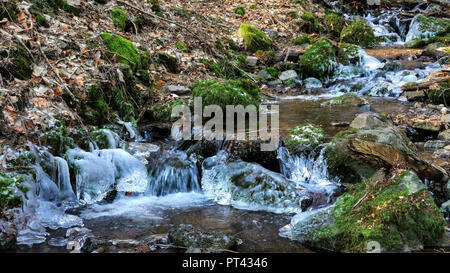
{"x":350,"y":54}
{"x":249,"y":186}
{"x":356,"y":221}
{"x":355,"y":154}
{"x":319,"y":60}
{"x":154,"y":133}
{"x":250,"y":151}
{"x":423,"y":27}
{"x":254,"y":39}
{"x":194,"y":238}
{"x":444,"y":135}
{"x":433,"y":145}
{"x":293,"y":55}
{"x":418,"y":123}
{"x":445,"y":207}
{"x":264,"y":74}
{"x":179,"y":90}
{"x":305,"y":138}
{"x":251,"y":61}
{"x":366,"y":121}
{"x":288,"y":75}
{"x":348,"y":99}
{"x":358,"y":33}
{"x":275,"y":83}
{"x":311,"y":83}
{"x":142,"y":150}
{"x":435,"y":50}
{"x":415,"y":43}
{"x":447,"y":190}
{"x":415,"y":95}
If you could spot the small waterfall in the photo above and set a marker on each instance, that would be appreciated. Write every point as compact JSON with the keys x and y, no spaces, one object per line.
{"x":308,"y":170}
{"x":176,"y":173}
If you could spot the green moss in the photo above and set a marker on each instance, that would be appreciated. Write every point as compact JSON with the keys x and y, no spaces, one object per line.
{"x":254,"y":39}
{"x":319,"y":60}
{"x":335,"y":23}
{"x":349,"y":54}
{"x":441,"y":95}
{"x":8,"y":12}
{"x":52,"y":6}
{"x":58,"y":140}
{"x":232,"y":92}
{"x":275,"y":73}
{"x":240,"y":10}
{"x":348,"y":99}
{"x":120,"y":18}
{"x":10,"y":187}
{"x":101,"y":138}
{"x":163,"y":111}
{"x":226,"y":68}
{"x":18,"y":67}
{"x":181,"y":47}
{"x":40,"y":20}
{"x":169,"y":62}
{"x":304,"y":138}
{"x":156,"y":8}
{"x":125,"y":50}
{"x":416,"y":43}
{"x":426,"y":27}
{"x":266,"y":57}
{"x":303,"y":39}
{"x":388,"y":213}
{"x":311,"y":24}
{"x":358,"y":33}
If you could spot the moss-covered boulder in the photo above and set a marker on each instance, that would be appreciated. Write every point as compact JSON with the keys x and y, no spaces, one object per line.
{"x":18,"y":65}
{"x":319,"y":60}
{"x":124,"y":49}
{"x":334,"y":23}
{"x":304,"y":138}
{"x":355,"y":154}
{"x":10,"y":188}
{"x":415,"y":43}
{"x":120,"y":18}
{"x":233,"y":92}
{"x":348,"y":99}
{"x":254,"y":39}
{"x":393,"y":213}
{"x":349,"y":54}
{"x":310,"y":23}
{"x":358,"y":33}
{"x":426,"y":27}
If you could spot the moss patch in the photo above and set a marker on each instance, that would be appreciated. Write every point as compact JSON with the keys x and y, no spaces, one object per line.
{"x":335,"y":23}
{"x":440,"y":94}
{"x":18,"y":67}
{"x":254,"y":39}
{"x":52,"y":6}
{"x":319,"y":60}
{"x":120,"y":18}
{"x":310,"y":23}
{"x":349,"y":54}
{"x":358,"y":33}
{"x":163,"y":110}
{"x":10,"y":185}
{"x":303,"y":39}
{"x":58,"y":140}
{"x":304,"y":138}
{"x":125,"y":50}
{"x":240,"y":10}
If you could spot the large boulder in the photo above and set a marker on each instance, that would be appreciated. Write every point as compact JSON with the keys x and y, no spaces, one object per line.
{"x":386,"y":213}
{"x":425,"y":27}
{"x":355,"y":154}
{"x":249,"y":186}
{"x":319,"y":60}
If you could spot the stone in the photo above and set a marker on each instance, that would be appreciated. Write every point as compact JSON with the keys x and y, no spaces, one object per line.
{"x":444,"y":135}
{"x":425,"y":27}
{"x":367,"y":120}
{"x":433,"y":145}
{"x":179,"y":90}
{"x":415,"y":95}
{"x":251,"y":60}
{"x":310,"y":83}
{"x":264,"y":75}
{"x":293,"y":55}
{"x":142,"y":150}
{"x":275,"y":83}
{"x":348,"y":99}
{"x":288,"y":75}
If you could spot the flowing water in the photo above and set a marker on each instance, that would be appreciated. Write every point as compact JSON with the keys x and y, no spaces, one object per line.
{"x":112,"y":195}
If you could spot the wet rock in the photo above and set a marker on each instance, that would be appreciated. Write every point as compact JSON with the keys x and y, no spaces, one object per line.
{"x":155,"y":133}
{"x":415,"y":95}
{"x":249,"y":186}
{"x":356,"y":219}
{"x":250,"y":151}
{"x":288,"y":75}
{"x":367,"y":120}
{"x":445,"y":207}
{"x":435,"y":50}
{"x":8,"y":235}
{"x":355,"y":154}
{"x":349,"y":99}
{"x":195,"y":238}
{"x":275,"y":83}
{"x":310,"y":83}
{"x":142,"y":150}
{"x":423,"y":27}
{"x":444,"y":135}
{"x":293,"y":55}
{"x":433,"y":145}
{"x":264,"y":75}
{"x":179,"y":90}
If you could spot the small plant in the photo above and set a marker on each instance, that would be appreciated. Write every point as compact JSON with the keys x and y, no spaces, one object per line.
{"x":181,"y":47}
{"x":240,"y":10}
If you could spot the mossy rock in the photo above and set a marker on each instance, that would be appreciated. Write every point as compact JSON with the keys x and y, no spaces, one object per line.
{"x":426,"y":27}
{"x":349,"y":54}
{"x":416,"y":43}
{"x":52,"y":6}
{"x":169,"y":62}
{"x":254,"y":39}
{"x":303,"y":39}
{"x":348,"y":99}
{"x":105,"y":138}
{"x":187,"y":236}
{"x":19,"y":65}
{"x":10,"y":188}
{"x":163,"y":110}
{"x":125,"y":49}
{"x":310,"y":23}
{"x":233,"y":92}
{"x":319,"y":60}
{"x":120,"y":18}
{"x":358,"y":33}
{"x":240,"y":10}
{"x":399,"y":214}
{"x":335,"y":23}
{"x":440,"y":95}
{"x":304,"y":138}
